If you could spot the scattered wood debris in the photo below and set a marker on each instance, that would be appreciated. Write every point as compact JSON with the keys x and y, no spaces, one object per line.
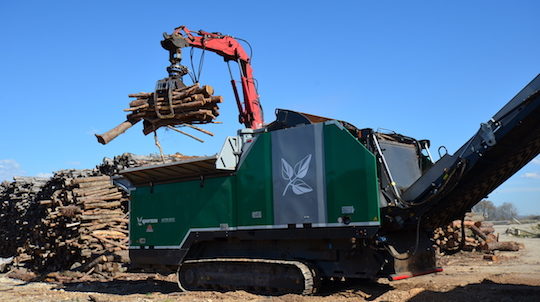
{"x":490,"y":257}
{"x":479,"y":236}
{"x":532,"y":232}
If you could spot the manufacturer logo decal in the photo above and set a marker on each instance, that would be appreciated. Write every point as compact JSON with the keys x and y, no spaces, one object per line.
{"x":141,"y":221}
{"x":294,"y":176}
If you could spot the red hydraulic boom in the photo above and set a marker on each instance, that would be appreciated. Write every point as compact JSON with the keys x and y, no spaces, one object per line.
{"x":250,"y":111}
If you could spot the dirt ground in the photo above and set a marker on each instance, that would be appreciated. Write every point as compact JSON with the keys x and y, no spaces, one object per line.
{"x":515,"y":276}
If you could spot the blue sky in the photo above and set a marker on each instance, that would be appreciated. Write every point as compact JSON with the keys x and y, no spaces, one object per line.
{"x":427,"y":69}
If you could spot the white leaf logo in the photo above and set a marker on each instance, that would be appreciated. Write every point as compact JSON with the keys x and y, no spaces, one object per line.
{"x":294,"y":176}
{"x":302,"y":167}
{"x":300,"y":187}
{"x":287,"y":171}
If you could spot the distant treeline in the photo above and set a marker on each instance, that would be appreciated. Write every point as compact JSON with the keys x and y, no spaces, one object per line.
{"x":506,"y":211}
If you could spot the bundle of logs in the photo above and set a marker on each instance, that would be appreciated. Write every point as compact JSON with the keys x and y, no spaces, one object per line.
{"x":479,"y":236}
{"x":185,"y":106}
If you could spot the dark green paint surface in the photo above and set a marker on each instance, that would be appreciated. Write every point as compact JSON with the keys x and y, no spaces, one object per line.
{"x":190,"y":204}
{"x":225,"y":200}
{"x":254,"y":184}
{"x":351,"y":177}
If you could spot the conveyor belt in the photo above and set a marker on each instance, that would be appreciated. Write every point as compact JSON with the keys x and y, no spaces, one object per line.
{"x":499,"y":149}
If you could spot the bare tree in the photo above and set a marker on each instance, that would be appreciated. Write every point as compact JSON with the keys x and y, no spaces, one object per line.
{"x":486,"y":208}
{"x":506,"y":211}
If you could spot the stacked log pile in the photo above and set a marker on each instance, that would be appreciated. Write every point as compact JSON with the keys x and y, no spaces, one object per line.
{"x":77,"y":219}
{"x":187,"y":105}
{"x":113,"y":166}
{"x":18,"y":212}
{"x":84,"y":219}
{"x":479,"y":236}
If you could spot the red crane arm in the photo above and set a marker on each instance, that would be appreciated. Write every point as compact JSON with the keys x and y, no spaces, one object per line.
{"x":250,"y":113}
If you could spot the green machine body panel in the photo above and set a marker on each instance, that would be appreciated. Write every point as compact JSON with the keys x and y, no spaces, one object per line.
{"x":352,"y":188}
{"x":254,"y":185}
{"x":164,"y":212}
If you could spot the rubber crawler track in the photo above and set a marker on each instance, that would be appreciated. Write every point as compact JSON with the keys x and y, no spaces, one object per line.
{"x":262,"y":276}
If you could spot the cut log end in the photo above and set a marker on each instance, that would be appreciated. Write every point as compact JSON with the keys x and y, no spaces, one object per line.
{"x":101,"y":139}
{"x":108,"y":136}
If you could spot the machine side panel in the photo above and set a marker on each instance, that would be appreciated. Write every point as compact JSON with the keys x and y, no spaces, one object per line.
{"x":351,"y":178}
{"x":161,"y":215}
{"x":298,"y":175}
{"x":254,"y":185}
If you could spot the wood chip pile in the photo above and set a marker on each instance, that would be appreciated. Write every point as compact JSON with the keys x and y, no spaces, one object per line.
{"x":189,"y":105}
{"x":479,"y":236}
